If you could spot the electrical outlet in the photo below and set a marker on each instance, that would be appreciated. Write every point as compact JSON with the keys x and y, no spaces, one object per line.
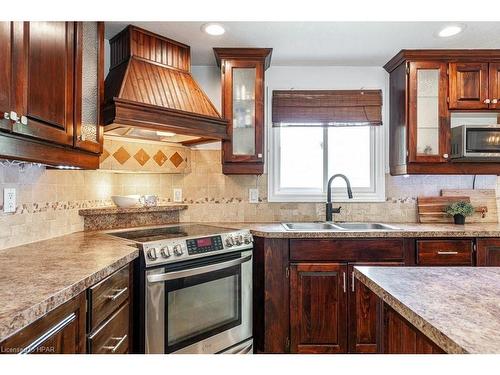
{"x":178,"y":195}
{"x":9,"y":200}
{"x":253,"y":195}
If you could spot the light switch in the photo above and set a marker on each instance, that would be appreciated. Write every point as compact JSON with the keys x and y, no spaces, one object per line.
{"x":253,"y":195}
{"x":9,"y":200}
{"x":178,"y":195}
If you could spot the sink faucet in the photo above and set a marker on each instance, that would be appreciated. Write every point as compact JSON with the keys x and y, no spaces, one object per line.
{"x":329,"y":207}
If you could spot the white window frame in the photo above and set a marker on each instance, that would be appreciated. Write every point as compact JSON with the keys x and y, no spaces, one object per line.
{"x":376,"y":193}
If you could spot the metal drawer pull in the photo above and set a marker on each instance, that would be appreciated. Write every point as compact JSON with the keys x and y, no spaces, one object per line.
{"x":343,"y":276}
{"x":117,"y":295}
{"x":240,"y":350}
{"x":113,"y":349}
{"x":352,"y":282}
{"x":197,"y":270}
{"x":52,"y":331}
{"x":447,"y":252}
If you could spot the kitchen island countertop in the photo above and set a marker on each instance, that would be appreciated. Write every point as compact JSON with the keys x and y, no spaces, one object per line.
{"x":458,"y":308}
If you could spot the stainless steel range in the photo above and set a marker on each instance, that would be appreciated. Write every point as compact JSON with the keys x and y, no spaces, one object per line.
{"x":196,"y":283}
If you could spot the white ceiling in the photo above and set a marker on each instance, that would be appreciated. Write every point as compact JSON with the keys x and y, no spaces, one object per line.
{"x":321,"y":43}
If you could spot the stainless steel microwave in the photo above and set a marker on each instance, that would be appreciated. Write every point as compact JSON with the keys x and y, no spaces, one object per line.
{"x":476,"y":143}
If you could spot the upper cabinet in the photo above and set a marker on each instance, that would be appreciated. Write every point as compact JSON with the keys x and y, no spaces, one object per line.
{"x":426,"y":87}
{"x":53,"y":86}
{"x":243,"y":98}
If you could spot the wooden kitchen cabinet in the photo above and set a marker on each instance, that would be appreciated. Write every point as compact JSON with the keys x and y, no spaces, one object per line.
{"x":469,"y":85}
{"x":51,"y":76}
{"x":425,"y":87}
{"x":61,"y":331}
{"x":243,"y":96}
{"x":318,"y":308}
{"x":362,"y":311}
{"x":488,"y":252}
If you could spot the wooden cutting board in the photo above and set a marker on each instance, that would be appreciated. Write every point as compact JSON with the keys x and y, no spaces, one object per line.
{"x":479,"y":198}
{"x":432,"y":209}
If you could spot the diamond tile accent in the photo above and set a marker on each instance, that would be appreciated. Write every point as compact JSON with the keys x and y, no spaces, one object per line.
{"x":142,"y":157}
{"x":121,"y":155}
{"x":160,"y":158}
{"x":176,"y":159}
{"x":105,"y":154}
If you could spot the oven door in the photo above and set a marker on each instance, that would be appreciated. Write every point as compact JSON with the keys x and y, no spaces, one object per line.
{"x":199,"y":306}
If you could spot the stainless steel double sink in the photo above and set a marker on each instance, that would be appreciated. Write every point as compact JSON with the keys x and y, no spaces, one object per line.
{"x":328,"y":226}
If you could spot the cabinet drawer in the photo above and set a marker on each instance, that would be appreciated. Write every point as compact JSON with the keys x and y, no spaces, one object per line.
{"x":105,"y":297}
{"x":113,"y":336}
{"x":347,"y":250}
{"x":444,"y":253}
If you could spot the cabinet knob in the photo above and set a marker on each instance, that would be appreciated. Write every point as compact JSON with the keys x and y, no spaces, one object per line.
{"x":487,"y":101}
{"x":494,"y":101}
{"x":24,"y":120}
{"x":445,"y":156}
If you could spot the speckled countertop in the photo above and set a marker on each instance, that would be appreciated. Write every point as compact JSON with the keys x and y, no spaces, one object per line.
{"x":276,"y":230}
{"x":458,"y":308}
{"x":36,"y":278}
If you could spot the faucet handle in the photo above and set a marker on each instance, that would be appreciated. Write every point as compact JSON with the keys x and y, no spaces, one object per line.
{"x":336,"y":210}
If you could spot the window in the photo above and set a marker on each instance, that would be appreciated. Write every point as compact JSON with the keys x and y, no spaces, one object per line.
{"x":304,"y":156}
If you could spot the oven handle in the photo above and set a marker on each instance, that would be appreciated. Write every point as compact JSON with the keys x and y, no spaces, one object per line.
{"x":198,"y":270}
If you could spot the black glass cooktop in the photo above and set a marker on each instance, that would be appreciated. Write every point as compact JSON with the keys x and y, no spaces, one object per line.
{"x":174,"y":231}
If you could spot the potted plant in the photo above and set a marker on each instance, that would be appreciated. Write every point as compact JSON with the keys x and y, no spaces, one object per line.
{"x":460,"y":210}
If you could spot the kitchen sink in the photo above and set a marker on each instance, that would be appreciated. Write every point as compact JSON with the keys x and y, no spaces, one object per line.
{"x":325,"y":226}
{"x":310,"y":226}
{"x":365,"y":226}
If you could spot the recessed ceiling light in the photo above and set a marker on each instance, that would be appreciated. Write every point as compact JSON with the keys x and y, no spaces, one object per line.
{"x":213,"y":29}
{"x":164,"y":134}
{"x":450,"y":31}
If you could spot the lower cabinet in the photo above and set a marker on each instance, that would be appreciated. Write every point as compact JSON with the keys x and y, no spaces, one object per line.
{"x":318,"y":308}
{"x":488,"y":252}
{"x":362,"y":312}
{"x":62,"y":331}
{"x":401,"y":337}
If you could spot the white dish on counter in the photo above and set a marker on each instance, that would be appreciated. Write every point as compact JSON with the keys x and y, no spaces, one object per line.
{"x":126,"y":201}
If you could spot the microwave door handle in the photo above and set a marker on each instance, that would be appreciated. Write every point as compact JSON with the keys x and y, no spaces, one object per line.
{"x":198,"y":270}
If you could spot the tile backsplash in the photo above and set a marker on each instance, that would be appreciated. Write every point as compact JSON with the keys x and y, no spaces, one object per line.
{"x":48,"y":200}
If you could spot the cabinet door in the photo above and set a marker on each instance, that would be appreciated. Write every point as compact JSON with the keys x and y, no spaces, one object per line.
{"x":43,"y":70}
{"x":468,"y":85}
{"x":494,"y":85}
{"x":243,"y":105}
{"x":5,"y":74}
{"x":61,"y":331}
{"x":488,"y":252}
{"x":318,"y":311}
{"x":429,"y":129}
{"x":363,"y":312}
{"x":89,"y":94}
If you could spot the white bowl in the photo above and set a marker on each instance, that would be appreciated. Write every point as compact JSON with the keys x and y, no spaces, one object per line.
{"x":125,"y":201}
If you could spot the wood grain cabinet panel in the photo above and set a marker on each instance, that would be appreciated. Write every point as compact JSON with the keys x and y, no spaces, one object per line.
{"x":468,"y":85}
{"x":494,"y":85}
{"x":61,"y":331}
{"x":488,"y":252}
{"x":401,"y":337}
{"x":363,"y":326}
{"x":445,"y":252}
{"x":43,"y":74}
{"x":113,"y":336}
{"x":318,"y":308}
{"x":5,"y":73}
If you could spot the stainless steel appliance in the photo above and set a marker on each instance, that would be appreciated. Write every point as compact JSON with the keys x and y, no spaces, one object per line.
{"x":475,"y":143}
{"x":197,"y":288}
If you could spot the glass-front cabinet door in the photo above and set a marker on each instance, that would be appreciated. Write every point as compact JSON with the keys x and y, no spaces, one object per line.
{"x":428,"y":113}
{"x":243,"y":94}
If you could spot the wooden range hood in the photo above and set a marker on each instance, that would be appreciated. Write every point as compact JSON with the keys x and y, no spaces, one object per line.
{"x":150,"y":92}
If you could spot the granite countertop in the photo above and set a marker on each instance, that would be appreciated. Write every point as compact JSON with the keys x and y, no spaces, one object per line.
{"x":458,"y":308}
{"x":107,"y":210}
{"x":276,"y":230}
{"x":38,"y":277}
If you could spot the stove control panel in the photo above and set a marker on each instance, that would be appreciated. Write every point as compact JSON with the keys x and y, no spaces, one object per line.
{"x":175,"y":250}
